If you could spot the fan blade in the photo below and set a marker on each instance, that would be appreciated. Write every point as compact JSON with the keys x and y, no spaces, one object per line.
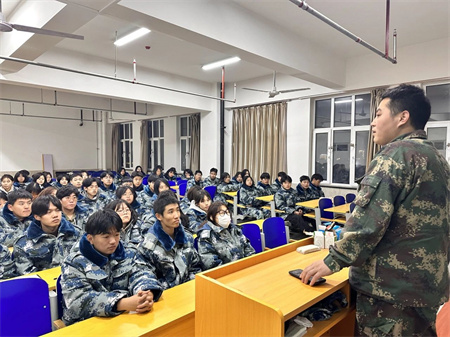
{"x":259,"y":90}
{"x":45,"y":32}
{"x":292,"y":90}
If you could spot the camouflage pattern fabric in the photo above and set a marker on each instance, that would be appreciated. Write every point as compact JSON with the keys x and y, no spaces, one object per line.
{"x":7,"y":265}
{"x":217,"y":245}
{"x":11,"y":228}
{"x":110,"y":192}
{"x":316,"y":192}
{"x":224,"y":187}
{"x":285,"y":200}
{"x":305,"y":195}
{"x":80,"y":218}
{"x":196,"y":217}
{"x":144,"y":198}
{"x":397,"y":240}
{"x":93,"y":205}
{"x":248,"y":197}
{"x":132,"y":234}
{"x":191,"y":182}
{"x":268,"y":189}
{"x":210,"y":182}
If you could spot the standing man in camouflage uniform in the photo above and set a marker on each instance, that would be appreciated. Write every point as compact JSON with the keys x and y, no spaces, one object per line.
{"x":397,"y":240}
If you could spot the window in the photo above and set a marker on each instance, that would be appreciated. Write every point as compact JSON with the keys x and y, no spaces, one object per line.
{"x":341,"y":133}
{"x":185,"y":141}
{"x":155,"y":143}
{"x":126,"y":145}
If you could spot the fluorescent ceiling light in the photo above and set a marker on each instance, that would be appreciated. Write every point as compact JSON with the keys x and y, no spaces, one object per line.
{"x":347,"y":101}
{"x":132,"y":36}
{"x":221,"y":63}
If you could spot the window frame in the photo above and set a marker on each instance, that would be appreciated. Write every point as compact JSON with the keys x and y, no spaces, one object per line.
{"x":186,"y":138}
{"x":123,"y":141}
{"x":152,"y":160}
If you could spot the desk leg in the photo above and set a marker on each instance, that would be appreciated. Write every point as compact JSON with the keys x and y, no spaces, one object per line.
{"x":235,"y":213}
{"x":318,"y":222}
{"x":178,"y":194}
{"x":272,"y":209}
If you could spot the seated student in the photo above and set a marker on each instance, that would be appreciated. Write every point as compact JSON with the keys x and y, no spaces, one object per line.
{"x":142,"y":197}
{"x":248,"y":194}
{"x":92,"y":199}
{"x":127,"y":181}
{"x":225,"y":185}
{"x":15,"y":216}
{"x":149,"y":218}
{"x":185,"y":203}
{"x":7,"y":265}
{"x":139,"y":169}
{"x":48,"y":239}
{"x":277,"y":183}
{"x":316,"y":179}
{"x":71,"y":211}
{"x":50,"y":190}
{"x":107,"y":185}
{"x":195,"y":180}
{"x":220,"y":241}
{"x":168,"y":251}
{"x":85,"y":174}
{"x":76,"y":180}
{"x":99,"y":278}
{"x":34,"y":188}
{"x":197,"y":210}
{"x":128,"y":194}
{"x":264,"y":183}
{"x":120,"y":175}
{"x":245,"y":173}
{"x":149,"y":191}
{"x":158,"y":171}
{"x":131,"y":232}
{"x":187,"y":174}
{"x":21,"y":179}
{"x":62,"y":180}
{"x":3,"y":200}
{"x":39,"y":178}
{"x":304,"y":192}
{"x":7,"y":183}
{"x":170,"y":174}
{"x":237,"y":179}
{"x":212,"y":179}
{"x":48,"y":179}
{"x":285,"y":200}
{"x":160,"y":185}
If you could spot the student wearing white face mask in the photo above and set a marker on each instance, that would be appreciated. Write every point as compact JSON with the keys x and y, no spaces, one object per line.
{"x":220,"y":241}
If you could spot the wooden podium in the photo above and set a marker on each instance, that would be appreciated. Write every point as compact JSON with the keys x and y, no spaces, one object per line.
{"x":256,"y":295}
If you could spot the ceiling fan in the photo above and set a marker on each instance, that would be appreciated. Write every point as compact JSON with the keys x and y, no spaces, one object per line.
{"x":8,"y":27}
{"x":274,"y":91}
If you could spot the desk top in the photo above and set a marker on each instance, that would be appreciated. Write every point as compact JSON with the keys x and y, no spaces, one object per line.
{"x":257,"y":222}
{"x":269,"y":282}
{"x":175,"y":304}
{"x":314,"y":203}
{"x":341,"y":209}
{"x":267,"y":198}
{"x":231,"y":194}
{"x":175,"y":187}
{"x":50,"y":276}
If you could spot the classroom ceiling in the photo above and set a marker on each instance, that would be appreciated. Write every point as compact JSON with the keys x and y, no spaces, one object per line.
{"x":266,"y":35}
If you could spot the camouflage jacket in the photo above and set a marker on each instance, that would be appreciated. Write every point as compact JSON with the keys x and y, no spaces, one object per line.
{"x":37,"y":250}
{"x":209,"y":182}
{"x":144,"y":197}
{"x":248,"y":196}
{"x":397,"y":240}
{"x":11,"y":228}
{"x":191,"y":182}
{"x":185,"y":203}
{"x":80,"y":218}
{"x":275,"y":186}
{"x":93,"y":205}
{"x":316,"y":192}
{"x":217,"y":245}
{"x":196,"y":217}
{"x":224,"y":187}
{"x":285,"y":200}
{"x":268,"y":189}
{"x":305,"y":195}
{"x":172,"y":261}
{"x":132,"y":234}
{"x":7,"y":265}
{"x":110,"y":192}
{"x":92,"y":284}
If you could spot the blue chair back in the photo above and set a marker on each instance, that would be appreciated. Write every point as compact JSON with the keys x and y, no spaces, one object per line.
{"x":178,"y":179}
{"x":24,"y":307}
{"x":196,"y":243}
{"x":275,"y":232}
{"x":182,"y":188}
{"x":350,"y":197}
{"x":145,"y":180}
{"x":59,"y":296}
{"x":325,"y":203}
{"x":253,"y":233}
{"x":338,"y":200}
{"x":97,"y":174}
{"x":352,"y":207}
{"x":211,"y":190}
{"x":171,"y":183}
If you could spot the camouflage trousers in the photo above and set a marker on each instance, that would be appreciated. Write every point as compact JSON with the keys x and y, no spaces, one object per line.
{"x":376,"y":318}
{"x":257,"y":213}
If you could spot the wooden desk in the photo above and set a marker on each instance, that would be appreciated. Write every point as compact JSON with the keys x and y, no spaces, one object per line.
{"x":49,"y":275}
{"x":269,"y":199}
{"x":256,"y":295}
{"x":235,"y":202}
{"x":341,"y":209}
{"x":314,"y":205}
{"x":257,"y":222}
{"x":172,"y":315}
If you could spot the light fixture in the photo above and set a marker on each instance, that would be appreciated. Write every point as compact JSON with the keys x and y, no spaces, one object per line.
{"x":347,"y":101}
{"x":221,"y":63}
{"x":132,"y":36}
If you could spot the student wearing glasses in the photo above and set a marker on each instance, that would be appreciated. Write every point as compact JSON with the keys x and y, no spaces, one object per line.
{"x":71,"y":211}
{"x":220,"y":241}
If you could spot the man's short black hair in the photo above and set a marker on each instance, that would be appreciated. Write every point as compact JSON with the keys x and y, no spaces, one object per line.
{"x":67,"y":191}
{"x":200,"y":195}
{"x":411,"y":98}
{"x":106,"y":173}
{"x":213,"y":170}
{"x":281,"y":174}
{"x":304,"y":178}
{"x":164,"y":198}
{"x":137,"y":174}
{"x":127,"y":179}
{"x":89,"y":181}
{"x":198,"y":171}
{"x":41,"y":204}
{"x":152,"y":178}
{"x":63,"y":175}
{"x":122,"y":189}
{"x":34,"y":188}
{"x":75,"y":175}
{"x":158,"y":183}
{"x":224,"y":175}
{"x":18,"y":194}
{"x":10,"y":177}
{"x":264,"y":175}
{"x":3,"y":196}
{"x":103,"y":222}
{"x":190,"y":194}
{"x":285,"y":178}
{"x":317,"y":176}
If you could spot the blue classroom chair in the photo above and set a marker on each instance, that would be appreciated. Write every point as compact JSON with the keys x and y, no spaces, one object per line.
{"x":352,"y":207}
{"x":338,"y":200}
{"x":182,"y":188}
{"x":211,"y":190}
{"x":253,"y":233}
{"x":350,"y":197}
{"x":323,"y":204}
{"x":24,"y":307}
{"x":275,"y":232}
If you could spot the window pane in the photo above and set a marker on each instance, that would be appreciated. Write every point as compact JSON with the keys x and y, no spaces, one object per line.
{"x":127,"y":154}
{"x":121,"y":131}
{"x":360,"y":153}
{"x":155,"y":129}
{"x":131,"y":130}
{"x":341,"y":157}
{"x":183,"y":154}
{"x":183,"y":127}
{"x":150,"y":154}
{"x":122,"y":156}
{"x":438,"y":136}
{"x":323,"y":114}
{"x":161,"y":145}
{"x":150,"y":130}
{"x":342,"y":111}
{"x":155,"y":153}
{"x":321,"y":159}
{"x":161,"y":128}
{"x":362,"y":109}
{"x":127,"y":131}
{"x":439,"y":96}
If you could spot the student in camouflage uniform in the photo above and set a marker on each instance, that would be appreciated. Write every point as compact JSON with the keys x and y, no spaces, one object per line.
{"x":197,"y":211}
{"x":71,"y":211}
{"x":48,"y":239}
{"x":3,"y":200}
{"x":277,"y":183}
{"x":220,"y":241}
{"x":120,"y":175}
{"x":248,"y":194}
{"x":316,"y":179}
{"x":142,"y":197}
{"x":186,"y":201}
{"x":107,"y":186}
{"x":7,"y":183}
{"x":263,"y":182}
{"x":76,"y":180}
{"x":170,"y":174}
{"x":7,"y":265}
{"x":62,"y":180}
{"x":128,"y":194}
{"x":212,"y":179}
{"x":22,"y":179}
{"x":15,"y":216}
{"x":168,"y":251}
{"x":225,"y":185}
{"x":397,"y":240}
{"x":92,"y":199}
{"x":99,"y":278}
{"x":237,"y":179}
{"x":304,"y":190}
{"x":195,"y":180}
